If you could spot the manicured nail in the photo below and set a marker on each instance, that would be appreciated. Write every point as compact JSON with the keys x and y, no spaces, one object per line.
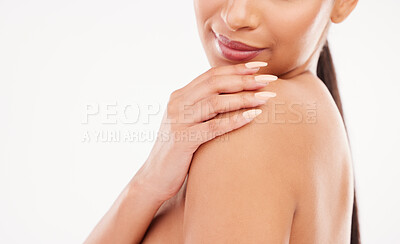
{"x":265,"y":78}
{"x":251,"y":114}
{"x":265,"y":95}
{"x":255,"y":64}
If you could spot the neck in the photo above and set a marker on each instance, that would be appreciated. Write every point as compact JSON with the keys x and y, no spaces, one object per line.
{"x":310,"y":66}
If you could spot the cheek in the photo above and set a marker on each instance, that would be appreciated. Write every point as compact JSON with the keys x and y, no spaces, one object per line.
{"x":207,"y":13}
{"x":204,"y":10}
{"x":296,"y":31}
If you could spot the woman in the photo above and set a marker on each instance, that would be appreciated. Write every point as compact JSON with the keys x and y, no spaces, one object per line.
{"x":285,"y":176}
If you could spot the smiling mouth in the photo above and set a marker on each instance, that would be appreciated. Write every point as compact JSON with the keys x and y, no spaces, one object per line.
{"x":233,"y":50}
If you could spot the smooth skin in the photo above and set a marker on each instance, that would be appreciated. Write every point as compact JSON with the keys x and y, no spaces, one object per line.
{"x":270,"y":181}
{"x":163,"y":173}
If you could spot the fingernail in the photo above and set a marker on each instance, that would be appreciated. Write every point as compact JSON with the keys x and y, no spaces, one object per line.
{"x":255,"y":64}
{"x":265,"y":78}
{"x":251,"y":114}
{"x":265,"y":95}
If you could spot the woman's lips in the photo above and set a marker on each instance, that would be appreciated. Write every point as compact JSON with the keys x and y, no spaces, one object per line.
{"x":235,"y":51}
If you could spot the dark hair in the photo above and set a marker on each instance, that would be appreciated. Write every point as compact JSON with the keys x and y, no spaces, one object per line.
{"x":326,"y":72}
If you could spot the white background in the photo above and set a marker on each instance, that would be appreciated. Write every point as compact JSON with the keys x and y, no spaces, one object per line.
{"x":57,"y":57}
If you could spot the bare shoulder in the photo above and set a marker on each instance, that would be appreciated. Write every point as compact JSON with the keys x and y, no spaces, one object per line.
{"x":276,"y":179}
{"x":324,"y":167}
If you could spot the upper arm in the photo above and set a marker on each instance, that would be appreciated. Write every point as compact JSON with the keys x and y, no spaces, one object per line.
{"x":244,"y":189}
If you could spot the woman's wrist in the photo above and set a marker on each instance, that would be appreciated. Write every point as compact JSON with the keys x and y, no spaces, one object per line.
{"x":140,"y":188}
{"x":129,"y":217}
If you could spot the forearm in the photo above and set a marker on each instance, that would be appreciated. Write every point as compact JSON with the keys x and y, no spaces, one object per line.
{"x":128,"y":218}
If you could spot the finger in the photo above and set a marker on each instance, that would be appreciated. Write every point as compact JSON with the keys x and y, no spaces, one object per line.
{"x":216,"y":104}
{"x":227,"y":84}
{"x":215,"y":127}
{"x":238,"y":69}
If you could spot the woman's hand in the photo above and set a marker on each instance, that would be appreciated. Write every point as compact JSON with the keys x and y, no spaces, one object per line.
{"x":189,"y":121}
{"x":190,"y":111}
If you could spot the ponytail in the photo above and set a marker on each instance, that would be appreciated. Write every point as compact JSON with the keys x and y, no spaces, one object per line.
{"x":326,"y":72}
